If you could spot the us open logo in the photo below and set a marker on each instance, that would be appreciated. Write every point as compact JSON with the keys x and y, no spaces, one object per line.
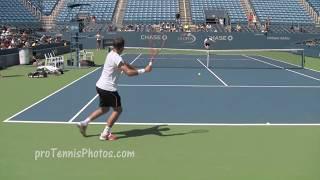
{"x":187,"y":38}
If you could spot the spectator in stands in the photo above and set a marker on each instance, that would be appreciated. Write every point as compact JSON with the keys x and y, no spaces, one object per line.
{"x":186,"y":28}
{"x":24,"y":36}
{"x":3,"y":35}
{"x":99,"y":41}
{"x":221,"y":21}
{"x":238,"y":27}
{"x":267,"y":25}
{"x":8,"y":33}
{"x":167,"y":26}
{"x":27,"y":45}
{"x":93,"y":19}
{"x":2,"y":46}
{"x":209,"y":27}
{"x":228,"y":28}
{"x":263,"y":27}
{"x":254,"y":21}
{"x":35,"y":43}
{"x":43,"y":39}
{"x":292,"y":28}
{"x":250,"y":19}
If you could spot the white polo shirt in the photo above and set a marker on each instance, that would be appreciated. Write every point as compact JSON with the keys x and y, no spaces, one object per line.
{"x":110,"y":72}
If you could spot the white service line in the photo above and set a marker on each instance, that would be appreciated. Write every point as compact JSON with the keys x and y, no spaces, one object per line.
{"x":51,"y":94}
{"x":301,"y":74}
{"x":290,"y":64}
{"x":263,"y":62}
{"x":171,"y":124}
{"x":136,"y":58}
{"x":83,"y":108}
{"x":311,"y":77}
{"x":279,"y":61}
{"x":210,"y":86}
{"x":225,"y":84}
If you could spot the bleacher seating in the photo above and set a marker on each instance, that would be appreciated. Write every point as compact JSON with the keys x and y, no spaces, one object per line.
{"x":101,"y":9}
{"x":13,"y":12}
{"x":233,"y":7}
{"x":46,"y":6}
{"x":279,"y":12}
{"x":151,"y":11}
{"x":315,"y":4}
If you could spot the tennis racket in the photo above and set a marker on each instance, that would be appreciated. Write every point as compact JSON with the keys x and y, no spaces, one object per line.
{"x":156,"y":43}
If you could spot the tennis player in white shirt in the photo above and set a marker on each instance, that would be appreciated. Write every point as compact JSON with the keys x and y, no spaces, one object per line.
{"x":107,"y":89}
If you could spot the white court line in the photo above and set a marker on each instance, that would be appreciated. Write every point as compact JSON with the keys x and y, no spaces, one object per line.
{"x":83,"y":108}
{"x":279,"y":61}
{"x":136,"y":58}
{"x":311,"y":77}
{"x":301,"y":74}
{"x":213,"y":73}
{"x":51,"y":94}
{"x":263,"y":62}
{"x":209,"y":86}
{"x":192,"y":59}
{"x":171,"y":124}
{"x":289,"y":63}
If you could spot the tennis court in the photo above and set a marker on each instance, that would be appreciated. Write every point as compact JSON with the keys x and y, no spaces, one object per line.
{"x":191,"y":88}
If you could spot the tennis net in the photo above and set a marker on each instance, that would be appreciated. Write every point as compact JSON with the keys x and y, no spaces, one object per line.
{"x":236,"y":59}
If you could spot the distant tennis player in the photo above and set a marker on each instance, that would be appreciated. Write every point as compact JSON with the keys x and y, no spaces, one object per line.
{"x":106,"y":88}
{"x":206,"y":42}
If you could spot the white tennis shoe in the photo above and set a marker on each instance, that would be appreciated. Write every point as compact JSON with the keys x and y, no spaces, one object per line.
{"x":82,"y":128}
{"x":108,"y":137}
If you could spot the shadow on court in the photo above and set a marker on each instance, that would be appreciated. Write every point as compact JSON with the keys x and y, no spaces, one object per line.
{"x":10,"y":76}
{"x":160,"y":130}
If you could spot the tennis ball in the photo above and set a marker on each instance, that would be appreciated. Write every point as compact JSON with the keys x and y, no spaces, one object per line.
{"x":199,"y":74}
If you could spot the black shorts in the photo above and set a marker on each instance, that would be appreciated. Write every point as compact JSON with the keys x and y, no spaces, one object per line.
{"x":207,"y":44}
{"x":108,"y":98}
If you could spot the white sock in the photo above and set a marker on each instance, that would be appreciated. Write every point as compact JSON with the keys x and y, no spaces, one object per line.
{"x":86,"y":122}
{"x":106,"y":130}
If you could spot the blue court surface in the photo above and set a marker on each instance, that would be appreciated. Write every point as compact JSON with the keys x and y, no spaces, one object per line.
{"x":196,"y":96}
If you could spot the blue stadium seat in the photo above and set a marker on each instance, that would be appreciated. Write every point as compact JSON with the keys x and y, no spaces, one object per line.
{"x":14,"y":12}
{"x":284,"y":11}
{"x":46,"y":6}
{"x":102,"y":9}
{"x":151,"y":11}
{"x":233,"y":7}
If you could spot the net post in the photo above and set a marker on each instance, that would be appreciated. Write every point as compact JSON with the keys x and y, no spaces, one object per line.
{"x":303,"y":59}
{"x":208,"y":58}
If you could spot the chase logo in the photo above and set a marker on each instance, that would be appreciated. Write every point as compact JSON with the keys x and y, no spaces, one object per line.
{"x":154,"y":37}
{"x":188,"y":38}
{"x":221,"y":38}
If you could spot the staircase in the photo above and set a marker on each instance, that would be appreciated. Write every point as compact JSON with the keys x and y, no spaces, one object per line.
{"x":311,"y":11}
{"x":119,"y":12}
{"x":185,"y":12}
{"x":247,"y":7}
{"x":49,"y":21}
